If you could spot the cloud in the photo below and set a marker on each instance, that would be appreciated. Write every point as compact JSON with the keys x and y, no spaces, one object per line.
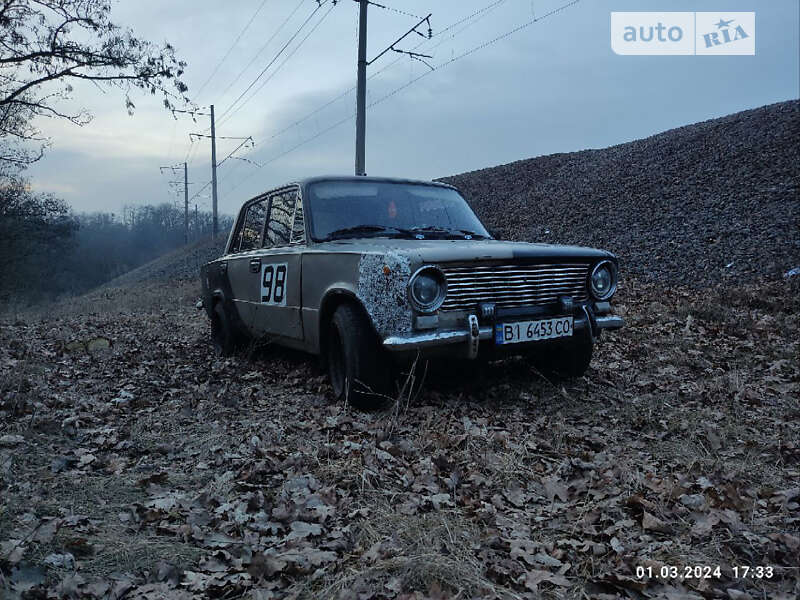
{"x":553,"y":87}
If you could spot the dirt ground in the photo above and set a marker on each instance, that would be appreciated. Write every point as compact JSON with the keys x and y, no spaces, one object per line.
{"x":135,"y":464}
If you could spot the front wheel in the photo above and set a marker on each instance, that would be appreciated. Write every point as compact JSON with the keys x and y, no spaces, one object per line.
{"x":358,"y":367}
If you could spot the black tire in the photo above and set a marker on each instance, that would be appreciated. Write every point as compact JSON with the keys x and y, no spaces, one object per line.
{"x":358,"y":367}
{"x":223,"y":336}
{"x":569,"y":359}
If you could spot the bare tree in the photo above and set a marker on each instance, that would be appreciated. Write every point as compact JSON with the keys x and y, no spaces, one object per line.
{"x":47,"y":45}
{"x":36,"y":233}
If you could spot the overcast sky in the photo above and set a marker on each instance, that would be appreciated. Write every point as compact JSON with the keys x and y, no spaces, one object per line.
{"x":555,"y":86}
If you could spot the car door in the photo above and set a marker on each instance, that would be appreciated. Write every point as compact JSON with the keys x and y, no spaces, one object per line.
{"x":243,"y":261}
{"x":280,"y":302}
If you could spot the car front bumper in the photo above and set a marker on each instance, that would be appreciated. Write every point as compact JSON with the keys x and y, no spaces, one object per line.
{"x":473,"y":334}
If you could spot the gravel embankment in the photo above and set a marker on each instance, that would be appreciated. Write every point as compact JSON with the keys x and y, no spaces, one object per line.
{"x":697,"y":205}
{"x":178,"y":265}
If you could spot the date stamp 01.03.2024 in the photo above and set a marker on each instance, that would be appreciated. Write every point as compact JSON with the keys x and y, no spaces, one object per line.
{"x":685,"y":572}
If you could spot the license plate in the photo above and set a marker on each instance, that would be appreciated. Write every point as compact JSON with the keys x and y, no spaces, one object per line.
{"x":532,"y":331}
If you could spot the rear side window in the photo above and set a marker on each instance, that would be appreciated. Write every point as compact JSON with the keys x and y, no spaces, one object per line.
{"x":253,"y":227}
{"x":298,"y":224}
{"x":281,"y":219}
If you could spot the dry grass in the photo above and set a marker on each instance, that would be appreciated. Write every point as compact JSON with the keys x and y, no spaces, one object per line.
{"x":661,"y":402}
{"x":144,"y":298}
{"x":410,"y":552}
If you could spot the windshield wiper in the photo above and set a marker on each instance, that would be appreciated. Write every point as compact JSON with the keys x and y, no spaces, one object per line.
{"x":347,"y":231}
{"x":459,"y":233}
{"x":473,"y":234}
{"x":417,"y":232}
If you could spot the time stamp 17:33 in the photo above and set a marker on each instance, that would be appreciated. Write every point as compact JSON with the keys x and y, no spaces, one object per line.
{"x":701,"y":572}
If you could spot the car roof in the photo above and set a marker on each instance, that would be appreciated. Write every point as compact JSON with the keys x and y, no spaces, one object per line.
{"x":360,"y":178}
{"x":302,"y":183}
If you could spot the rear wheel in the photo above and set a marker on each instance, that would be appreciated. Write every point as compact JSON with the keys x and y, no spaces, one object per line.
{"x":223,"y":336}
{"x":357,"y":366}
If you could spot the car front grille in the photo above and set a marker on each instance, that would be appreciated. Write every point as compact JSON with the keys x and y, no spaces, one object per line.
{"x":514,"y":285}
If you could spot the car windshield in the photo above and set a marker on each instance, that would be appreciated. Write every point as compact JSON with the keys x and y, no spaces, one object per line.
{"x":349,"y":209}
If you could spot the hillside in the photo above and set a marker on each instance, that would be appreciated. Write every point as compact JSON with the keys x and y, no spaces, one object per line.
{"x":137,"y":464}
{"x":698,"y":204}
{"x":181,"y":264}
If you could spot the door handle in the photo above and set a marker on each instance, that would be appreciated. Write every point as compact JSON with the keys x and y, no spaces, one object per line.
{"x":255,"y":265}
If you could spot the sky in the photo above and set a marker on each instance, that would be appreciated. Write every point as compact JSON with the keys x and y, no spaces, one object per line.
{"x":553,"y":86}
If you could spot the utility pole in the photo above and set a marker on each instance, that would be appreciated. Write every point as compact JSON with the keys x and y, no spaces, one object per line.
{"x":174,"y":169}
{"x":196,"y":224}
{"x":214,"y":165}
{"x":361,"y":89}
{"x":185,"y":203}
{"x":361,"y":82}
{"x":213,"y":176}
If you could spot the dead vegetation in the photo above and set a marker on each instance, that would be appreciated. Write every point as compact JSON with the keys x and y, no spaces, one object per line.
{"x":146,"y":468}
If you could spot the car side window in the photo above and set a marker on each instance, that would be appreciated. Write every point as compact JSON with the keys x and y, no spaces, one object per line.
{"x":281,"y":215}
{"x":253,"y":226}
{"x":298,"y":223}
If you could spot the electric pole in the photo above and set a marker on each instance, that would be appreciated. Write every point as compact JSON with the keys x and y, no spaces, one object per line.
{"x":361,"y":89}
{"x":196,"y":224}
{"x":361,"y":81}
{"x":213,"y":176}
{"x":174,"y":169}
{"x":214,"y":165}
{"x":185,"y":204}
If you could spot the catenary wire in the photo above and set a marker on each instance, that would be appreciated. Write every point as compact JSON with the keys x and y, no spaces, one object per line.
{"x":395,"y":10}
{"x":261,"y":50}
{"x":275,"y":58}
{"x":406,"y":85}
{"x":480,"y":14}
{"x":228,"y":53}
{"x":390,"y":65}
{"x":279,"y":67}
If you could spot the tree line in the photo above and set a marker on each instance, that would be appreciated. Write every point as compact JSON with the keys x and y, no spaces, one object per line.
{"x":45,"y":48}
{"x":47,"y":251}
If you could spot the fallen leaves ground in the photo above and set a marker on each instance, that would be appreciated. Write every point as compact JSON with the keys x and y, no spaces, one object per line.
{"x":134,"y":464}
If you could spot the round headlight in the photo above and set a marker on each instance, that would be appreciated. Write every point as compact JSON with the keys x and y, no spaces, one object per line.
{"x":427,"y":289}
{"x":603,"y":281}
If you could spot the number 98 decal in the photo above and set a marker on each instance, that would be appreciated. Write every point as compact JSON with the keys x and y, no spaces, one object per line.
{"x":274,"y":279}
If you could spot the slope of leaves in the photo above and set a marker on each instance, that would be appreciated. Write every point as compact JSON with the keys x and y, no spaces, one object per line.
{"x":134,"y":464}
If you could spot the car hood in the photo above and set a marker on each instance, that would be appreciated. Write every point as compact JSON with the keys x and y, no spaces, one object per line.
{"x":443,"y":251}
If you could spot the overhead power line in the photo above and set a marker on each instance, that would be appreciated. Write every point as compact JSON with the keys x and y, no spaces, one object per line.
{"x":228,"y":53}
{"x":475,"y":49}
{"x":470,"y":20}
{"x":246,"y":140}
{"x":279,"y":67}
{"x":395,"y":10}
{"x":197,"y":193}
{"x":479,"y":13}
{"x":274,"y":58}
{"x":266,"y":44}
{"x":469,"y":17}
{"x":399,"y":89}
